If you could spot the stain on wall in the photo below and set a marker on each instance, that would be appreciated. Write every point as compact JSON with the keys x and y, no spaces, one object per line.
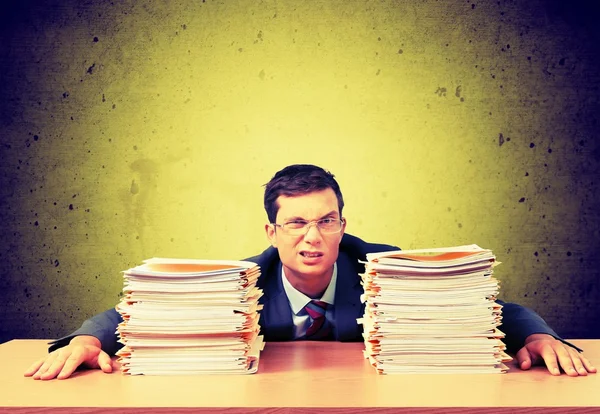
{"x":138,"y":129}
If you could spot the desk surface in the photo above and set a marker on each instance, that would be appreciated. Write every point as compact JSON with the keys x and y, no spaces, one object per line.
{"x":299,"y":376}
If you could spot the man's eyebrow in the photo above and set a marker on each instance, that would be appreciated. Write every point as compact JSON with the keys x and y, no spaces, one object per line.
{"x":295,"y":218}
{"x":331,"y":213}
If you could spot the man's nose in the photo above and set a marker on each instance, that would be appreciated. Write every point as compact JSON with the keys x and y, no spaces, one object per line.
{"x":313,"y":233}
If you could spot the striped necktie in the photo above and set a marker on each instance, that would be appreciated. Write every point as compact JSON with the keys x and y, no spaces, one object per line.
{"x":320,"y":328}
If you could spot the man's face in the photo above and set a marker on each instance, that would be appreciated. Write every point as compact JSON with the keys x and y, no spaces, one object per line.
{"x":311,"y":255}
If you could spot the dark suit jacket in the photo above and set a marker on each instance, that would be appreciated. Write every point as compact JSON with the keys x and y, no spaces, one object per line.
{"x":276,"y":317}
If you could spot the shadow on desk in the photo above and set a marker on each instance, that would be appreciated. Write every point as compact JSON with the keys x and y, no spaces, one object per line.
{"x":308,"y":356}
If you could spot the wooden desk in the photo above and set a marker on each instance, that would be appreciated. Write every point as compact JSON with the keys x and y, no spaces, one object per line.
{"x":297,"y":377}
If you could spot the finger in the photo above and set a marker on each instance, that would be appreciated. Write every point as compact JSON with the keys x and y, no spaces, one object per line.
{"x":577,"y":362}
{"x":34,"y":367}
{"x":564,"y":359}
{"x":524,"y":358}
{"x":549,"y":356}
{"x":47,"y":363}
{"x":104,"y":362}
{"x":71,"y":363}
{"x":581,"y":363}
{"x":57,"y":364}
{"x":587,"y":364}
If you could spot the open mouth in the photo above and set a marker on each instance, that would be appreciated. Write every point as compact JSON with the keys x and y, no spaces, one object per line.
{"x":311,"y":254}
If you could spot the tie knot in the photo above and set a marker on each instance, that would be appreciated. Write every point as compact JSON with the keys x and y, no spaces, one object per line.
{"x":320,"y":327}
{"x":316,"y":308}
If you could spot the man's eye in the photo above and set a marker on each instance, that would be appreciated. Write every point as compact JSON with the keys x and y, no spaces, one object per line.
{"x":327,"y":221}
{"x":296,"y":224}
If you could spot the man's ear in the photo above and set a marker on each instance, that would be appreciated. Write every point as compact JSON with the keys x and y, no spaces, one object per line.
{"x":271,"y":236}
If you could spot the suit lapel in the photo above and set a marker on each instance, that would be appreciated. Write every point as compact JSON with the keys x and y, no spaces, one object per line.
{"x":276,"y":317}
{"x":347,"y":300}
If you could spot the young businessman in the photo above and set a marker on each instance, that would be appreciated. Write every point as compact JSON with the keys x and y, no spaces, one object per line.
{"x":311,"y":266}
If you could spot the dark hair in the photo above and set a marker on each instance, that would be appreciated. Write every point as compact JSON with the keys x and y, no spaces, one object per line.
{"x":295,"y":180}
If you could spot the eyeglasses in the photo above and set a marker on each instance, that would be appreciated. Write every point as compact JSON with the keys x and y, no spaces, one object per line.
{"x":300,"y":227}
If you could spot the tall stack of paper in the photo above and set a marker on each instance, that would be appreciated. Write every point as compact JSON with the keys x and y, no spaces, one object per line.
{"x":190,"y":317}
{"x":433,"y":310}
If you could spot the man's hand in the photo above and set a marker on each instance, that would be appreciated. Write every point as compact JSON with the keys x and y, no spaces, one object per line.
{"x":543,"y":348}
{"x":82,"y":350}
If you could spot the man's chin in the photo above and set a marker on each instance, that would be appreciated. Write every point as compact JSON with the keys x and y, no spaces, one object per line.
{"x":315,"y":269}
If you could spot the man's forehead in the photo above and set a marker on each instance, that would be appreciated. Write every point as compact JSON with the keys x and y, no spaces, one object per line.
{"x":315,"y":204}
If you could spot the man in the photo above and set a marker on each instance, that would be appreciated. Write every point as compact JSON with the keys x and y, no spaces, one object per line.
{"x":310,"y":270}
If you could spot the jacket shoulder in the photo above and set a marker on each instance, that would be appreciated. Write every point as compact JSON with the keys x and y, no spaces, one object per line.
{"x":265,"y":258}
{"x":358,"y":248}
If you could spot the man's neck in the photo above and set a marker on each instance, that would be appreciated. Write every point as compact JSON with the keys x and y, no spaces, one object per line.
{"x":313,"y":286}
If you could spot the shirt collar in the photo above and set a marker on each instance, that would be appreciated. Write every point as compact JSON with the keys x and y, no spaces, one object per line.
{"x":299,"y":300}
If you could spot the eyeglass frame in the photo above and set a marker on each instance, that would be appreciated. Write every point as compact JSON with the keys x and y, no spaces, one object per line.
{"x":309,"y":223}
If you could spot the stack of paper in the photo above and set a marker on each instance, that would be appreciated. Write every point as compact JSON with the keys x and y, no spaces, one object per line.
{"x":190,"y":317}
{"x":432,"y":311}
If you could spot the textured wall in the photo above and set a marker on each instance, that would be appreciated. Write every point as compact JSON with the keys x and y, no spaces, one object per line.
{"x":133,"y":129}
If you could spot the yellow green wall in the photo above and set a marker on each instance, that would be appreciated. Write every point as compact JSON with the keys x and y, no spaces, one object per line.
{"x":133,"y":129}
